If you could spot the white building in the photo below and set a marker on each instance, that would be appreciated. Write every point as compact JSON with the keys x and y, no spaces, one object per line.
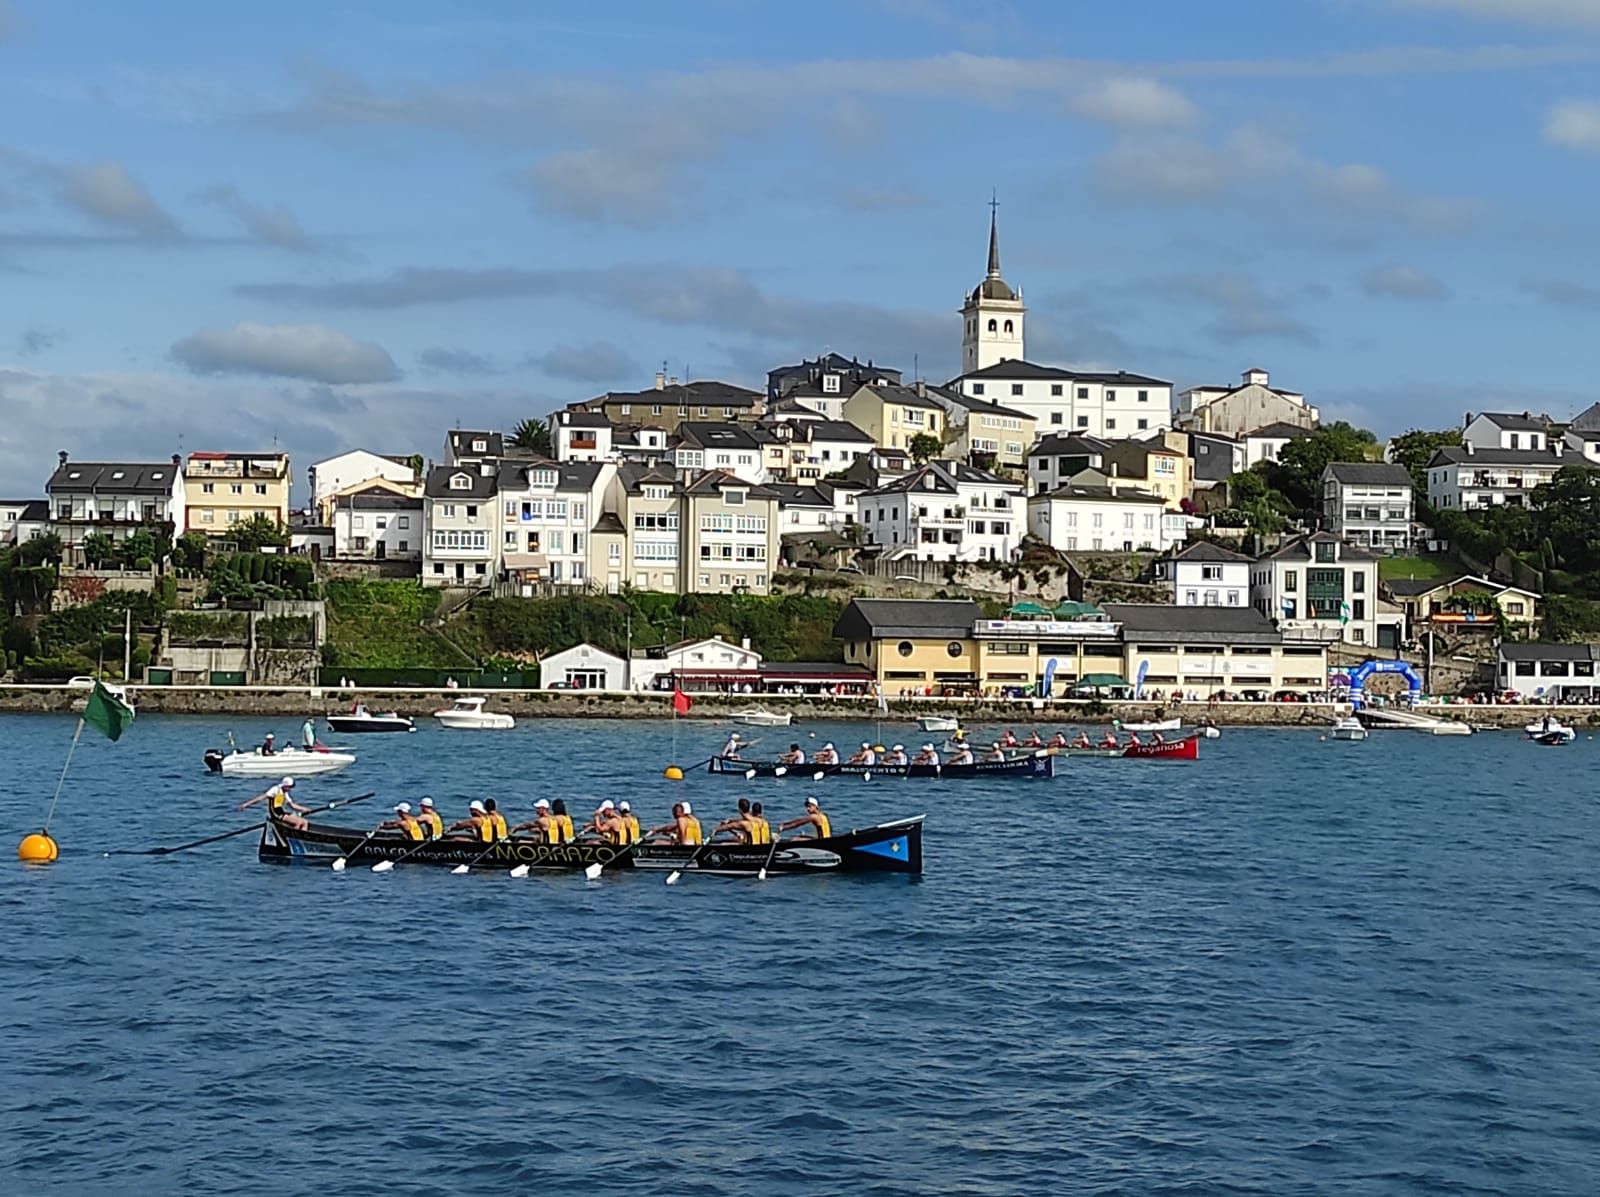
{"x":1368,"y":503}
{"x":1583,"y":434}
{"x":581,"y":436}
{"x":353,"y":471}
{"x":945,"y":511}
{"x":1559,"y":672}
{"x":11,"y":510}
{"x":697,"y":664}
{"x":1206,"y":575}
{"x":802,"y":508}
{"x":707,"y":446}
{"x":1096,"y":518}
{"x":1506,"y":430}
{"x":375,"y":524}
{"x":115,"y":499}
{"x":583,"y":667}
{"x":465,"y":447}
{"x":1319,"y":588}
{"x":1108,"y":405}
{"x":1266,"y":443}
{"x":461,"y":525}
{"x":1055,"y":459}
{"x":1463,"y":477}
{"x":992,"y":316}
{"x":1237,"y":410}
{"x":547,"y":509}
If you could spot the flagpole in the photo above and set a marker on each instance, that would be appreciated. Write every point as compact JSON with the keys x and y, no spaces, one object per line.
{"x":51,"y":813}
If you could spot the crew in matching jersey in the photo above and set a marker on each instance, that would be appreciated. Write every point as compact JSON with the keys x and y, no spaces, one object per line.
{"x":280,"y":806}
{"x":497,"y":821}
{"x":432,"y":824}
{"x":813,"y":818}
{"x":403,"y":821}
{"x":477,"y":822}
{"x":684,"y":829}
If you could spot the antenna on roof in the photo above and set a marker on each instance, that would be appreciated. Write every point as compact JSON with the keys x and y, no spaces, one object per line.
{"x":916,"y":368}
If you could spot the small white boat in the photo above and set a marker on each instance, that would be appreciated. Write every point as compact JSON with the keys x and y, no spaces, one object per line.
{"x":363,"y":720}
{"x":1348,"y":728}
{"x":1163,"y":725}
{"x":939,"y":723}
{"x":286,"y":762}
{"x":468,"y":714}
{"x":760,"y":717}
{"x":1549,"y":726}
{"x":1450,"y":727}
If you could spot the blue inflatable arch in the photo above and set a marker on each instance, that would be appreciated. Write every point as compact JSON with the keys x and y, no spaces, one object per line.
{"x":1360,"y":674}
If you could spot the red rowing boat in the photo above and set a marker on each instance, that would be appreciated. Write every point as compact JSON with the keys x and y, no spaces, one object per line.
{"x":1186,"y":749}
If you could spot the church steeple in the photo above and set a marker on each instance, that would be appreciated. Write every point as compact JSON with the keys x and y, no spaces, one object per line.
{"x":992,"y":315}
{"x":994,"y":238}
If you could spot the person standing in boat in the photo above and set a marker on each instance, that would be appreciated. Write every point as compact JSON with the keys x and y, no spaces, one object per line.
{"x":432,"y":824}
{"x":741,"y":824}
{"x":404,"y":821}
{"x":896,"y":755}
{"x":269,"y":746}
{"x":684,"y":830}
{"x":865,"y":757}
{"x":280,"y":806}
{"x":795,"y":756}
{"x":477,"y":822}
{"x":813,"y":818}
{"x":541,"y":824}
{"x":308,"y":735}
{"x":827,"y":755}
{"x":731,"y":748}
{"x":928,"y":756}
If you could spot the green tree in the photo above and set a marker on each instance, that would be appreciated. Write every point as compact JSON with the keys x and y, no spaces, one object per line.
{"x":1415,"y":448}
{"x":98,"y":547}
{"x":139,"y":545}
{"x":41,"y":550}
{"x":190,"y":551}
{"x":533,"y":436}
{"x":924,"y":446}
{"x":1566,"y":513}
{"x":258,"y":532}
{"x":1298,"y":471}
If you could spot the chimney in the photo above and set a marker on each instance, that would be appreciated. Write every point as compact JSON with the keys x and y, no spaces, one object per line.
{"x":1469,"y":447}
{"x":1466,"y":419}
{"x":922,"y":389}
{"x":62,"y":457}
{"x":1559,"y":446}
{"x":177,"y":459}
{"x":745,"y":643}
{"x":661,"y":380}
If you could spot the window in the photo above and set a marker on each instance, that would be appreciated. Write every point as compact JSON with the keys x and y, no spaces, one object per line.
{"x":1009,"y":327}
{"x":613,"y":553}
{"x":449,"y":511}
{"x":1144,"y":396}
{"x":360,"y":521}
{"x":438,"y":568}
{"x":1083,"y":421}
{"x":404,"y":545}
{"x":1324,"y":551}
{"x":1358,"y":608}
{"x":904,"y":648}
{"x":480,"y":446}
{"x":1110,"y":423}
{"x":1524,"y":668}
{"x":261,"y":488}
{"x":208,"y":516}
{"x":830,"y":384}
{"x":1358,"y":582}
{"x":472,"y":511}
{"x":1111,"y":396}
{"x":1291,"y":580}
{"x":655,"y":409}
{"x":1143,"y":424}
{"x":627,"y":409}
{"x":1016,"y":388}
{"x":236,"y":488}
{"x":1211,"y":573}
{"x":727,"y":413}
{"x":954,"y":648}
{"x":993,"y":327}
{"x":403,"y":522}
{"x":208,"y":488}
{"x":233,"y":517}
{"x":1083,"y":392}
{"x":704,"y":412}
{"x":977,"y":388}
{"x":1055,"y":390}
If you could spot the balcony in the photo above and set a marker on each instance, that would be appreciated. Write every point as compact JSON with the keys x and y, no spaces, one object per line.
{"x":1038,"y":629}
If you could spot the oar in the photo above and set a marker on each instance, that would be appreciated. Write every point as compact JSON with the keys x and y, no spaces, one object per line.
{"x":771,"y":852}
{"x":674,"y":876}
{"x":592,"y":872}
{"x":228,"y":835}
{"x":338,"y":865}
{"x":383,"y":866}
{"x":467,"y":868}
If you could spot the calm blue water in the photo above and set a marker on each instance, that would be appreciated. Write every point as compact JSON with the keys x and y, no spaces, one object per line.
{"x":1294,"y":967}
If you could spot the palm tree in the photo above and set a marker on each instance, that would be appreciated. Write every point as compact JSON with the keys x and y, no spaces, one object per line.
{"x":533,"y":436}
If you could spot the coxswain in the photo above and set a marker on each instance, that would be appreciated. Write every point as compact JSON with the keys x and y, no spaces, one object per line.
{"x":1059,"y":740}
{"x":1033,"y":740}
{"x":684,"y":829}
{"x":996,"y":752}
{"x":477,"y":822}
{"x":761,"y":830}
{"x":928,"y":756}
{"x":1009,"y":739}
{"x":631,"y":819}
{"x":268,"y":747}
{"x":731,"y":748}
{"x":865,"y":757}
{"x":896,"y":755}
{"x":826,"y":755}
{"x":813,"y":818}
{"x":795,"y":756}
{"x":558,"y":814}
{"x":541,"y":824}
{"x":280,"y":806}
{"x":430,"y":820}
{"x":741,"y":825}
{"x":494,"y":816}
{"x":963,"y":756}
{"x":404,"y":821}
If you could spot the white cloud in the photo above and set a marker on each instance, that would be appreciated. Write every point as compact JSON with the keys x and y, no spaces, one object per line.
{"x":1402,"y":282}
{"x":1135,"y":103}
{"x":275,"y":226}
{"x":106,"y":192}
{"x":308,"y":351}
{"x":1527,"y":12}
{"x":1242,"y":309}
{"x":1574,"y":124}
{"x":633,"y":188}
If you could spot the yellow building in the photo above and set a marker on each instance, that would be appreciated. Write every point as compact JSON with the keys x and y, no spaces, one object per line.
{"x":224,"y":489}
{"x":1153,"y":466}
{"x":912,"y":646}
{"x":990,"y":435}
{"x":893,"y":416}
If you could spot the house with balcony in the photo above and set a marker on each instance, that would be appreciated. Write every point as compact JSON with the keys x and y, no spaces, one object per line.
{"x":375,"y":524}
{"x":1466,"y":477}
{"x":812,"y":449}
{"x":1368,"y":503}
{"x":225,"y":489}
{"x":670,"y":402}
{"x":982,"y":432}
{"x":1152,"y":465}
{"x":1319,"y":588}
{"x":114,"y":499}
{"x":945,"y":511}
{"x":461,"y":525}
{"x":646,"y":501}
{"x":731,"y":535}
{"x":1074,"y":402}
{"x":1464,"y":603}
{"x":894,"y":416}
{"x":581,"y":436}
{"x":1206,"y":575}
{"x":1506,"y":430}
{"x":547,"y":514}
{"x":336,"y":477}
{"x":824,"y":382}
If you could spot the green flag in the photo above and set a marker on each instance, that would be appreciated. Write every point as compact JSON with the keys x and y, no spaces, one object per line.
{"x":107,"y":712}
{"x":1344,"y":614}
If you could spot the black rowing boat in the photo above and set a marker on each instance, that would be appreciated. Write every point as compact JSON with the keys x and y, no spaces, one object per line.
{"x":887,"y":848}
{"x":1038,"y":764}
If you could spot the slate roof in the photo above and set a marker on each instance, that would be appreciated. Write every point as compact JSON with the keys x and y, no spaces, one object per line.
{"x":1234,"y":625}
{"x":376,"y":498}
{"x":1549,"y":652}
{"x":1278,"y":430}
{"x":1299,"y":549}
{"x":110,"y":477}
{"x":1018,"y":370}
{"x":1101,"y":494}
{"x":1457,"y":454}
{"x":461,"y":443}
{"x":582,"y":419}
{"x":1062,"y":444}
{"x":835,"y":430}
{"x":1205,"y":550}
{"x":482,"y":485}
{"x":1516,"y":421}
{"x":609,"y":521}
{"x":865,"y":619}
{"x":705,"y":393}
{"x":714,"y":482}
{"x":790,"y":495}
{"x":1370,"y":473}
{"x":904,"y":396}
{"x":1587,"y":420}
{"x":707,"y":435}
{"x":946,"y":475}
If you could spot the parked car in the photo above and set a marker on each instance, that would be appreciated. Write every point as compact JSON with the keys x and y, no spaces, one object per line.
{"x":562,"y":686}
{"x":1287,"y":696}
{"x":81,"y":683}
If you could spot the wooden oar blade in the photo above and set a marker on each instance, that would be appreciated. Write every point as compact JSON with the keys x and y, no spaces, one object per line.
{"x":672,"y":877}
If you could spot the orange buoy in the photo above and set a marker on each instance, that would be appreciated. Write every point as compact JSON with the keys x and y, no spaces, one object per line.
{"x":37,"y":849}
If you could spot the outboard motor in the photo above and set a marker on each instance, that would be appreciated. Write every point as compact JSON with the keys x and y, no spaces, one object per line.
{"x":214,"y":760}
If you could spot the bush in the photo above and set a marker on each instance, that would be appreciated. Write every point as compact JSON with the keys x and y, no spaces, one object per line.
{"x":56,"y":668}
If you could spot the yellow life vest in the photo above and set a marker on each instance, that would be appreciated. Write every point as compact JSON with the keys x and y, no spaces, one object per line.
{"x":500,"y":829}
{"x":435,"y":825}
{"x":485,"y":829}
{"x":691,"y":832}
{"x":824,"y":828}
{"x":411,"y":827}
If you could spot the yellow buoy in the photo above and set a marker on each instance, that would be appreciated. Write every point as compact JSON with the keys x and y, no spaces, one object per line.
{"x":672,"y":773}
{"x":37,"y":849}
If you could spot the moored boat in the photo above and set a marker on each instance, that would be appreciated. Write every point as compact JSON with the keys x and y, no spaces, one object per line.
{"x":362,"y":720}
{"x":467,"y":713}
{"x":760,"y":717}
{"x":1186,"y":749}
{"x":1036,"y":764}
{"x":1549,"y":726}
{"x":939,"y":723}
{"x":294,"y":762}
{"x":1555,"y":739}
{"x":894,"y":847}
{"x":1349,"y":729}
{"x":1163,"y":725}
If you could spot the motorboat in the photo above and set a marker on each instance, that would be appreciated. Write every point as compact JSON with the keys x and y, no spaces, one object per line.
{"x":290,"y":762}
{"x":939,"y":723}
{"x":362,"y":720}
{"x":760,"y":717}
{"x":1553,"y":739}
{"x":1162,"y":725}
{"x":1348,"y":728}
{"x":1451,"y":727}
{"x":467,"y":714}
{"x":1540,"y":729}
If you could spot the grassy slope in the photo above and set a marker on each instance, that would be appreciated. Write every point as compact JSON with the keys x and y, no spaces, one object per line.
{"x":378,"y":625}
{"x":1419,"y":567}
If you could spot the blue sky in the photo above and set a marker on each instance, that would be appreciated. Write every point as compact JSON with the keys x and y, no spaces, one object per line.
{"x":331,"y":225}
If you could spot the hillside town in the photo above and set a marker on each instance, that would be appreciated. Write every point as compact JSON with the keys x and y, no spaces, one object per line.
{"x":1221,"y":539}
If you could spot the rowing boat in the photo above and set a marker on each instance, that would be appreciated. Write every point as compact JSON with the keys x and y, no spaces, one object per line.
{"x":894,"y":847}
{"x":1105,"y":752}
{"x":1039,"y":764}
{"x":1186,"y":749}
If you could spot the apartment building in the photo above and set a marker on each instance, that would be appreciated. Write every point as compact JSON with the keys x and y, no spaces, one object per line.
{"x":224,"y":489}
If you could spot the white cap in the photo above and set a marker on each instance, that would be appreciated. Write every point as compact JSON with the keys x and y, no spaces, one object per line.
{"x":286,"y":782}
{"x":829,"y":744}
{"x":606,"y":805}
{"x":402,"y":808}
{"x":428,"y":802}
{"x":270,"y":736}
{"x":735,"y":736}
{"x":687,"y":809}
{"x":899,"y":747}
{"x":475,"y":805}
{"x":927,"y":748}
{"x":542,"y":804}
{"x":864,"y":744}
{"x":811,"y":800}
{"x":623,"y":805}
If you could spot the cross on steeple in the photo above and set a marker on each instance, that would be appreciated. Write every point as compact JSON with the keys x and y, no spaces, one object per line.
{"x":994,"y":235}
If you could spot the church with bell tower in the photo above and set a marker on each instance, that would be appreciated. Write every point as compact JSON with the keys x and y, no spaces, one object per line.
{"x":992,"y":316}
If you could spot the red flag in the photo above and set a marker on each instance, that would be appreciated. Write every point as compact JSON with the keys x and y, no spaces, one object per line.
{"x":681,"y":702}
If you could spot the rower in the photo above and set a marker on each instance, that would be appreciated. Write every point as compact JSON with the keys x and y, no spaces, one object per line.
{"x":430,"y":820}
{"x":761,"y":830}
{"x":928,"y":756}
{"x":795,"y":756}
{"x":684,"y":829}
{"x":1083,"y":740}
{"x":963,"y":756}
{"x":281,"y":807}
{"x":404,"y":821}
{"x":865,"y":757}
{"x":1133,"y":738}
{"x":995,"y":753}
{"x":477,"y":822}
{"x":1059,"y":740}
{"x":541,"y":824}
{"x":268,"y":747}
{"x":1109,"y":740}
{"x":495,"y":817}
{"x":1160,"y":739}
{"x":826,"y":755}
{"x":813,"y":818}
{"x":608,"y":824}
{"x":896,"y":755}
{"x":731,"y":748}
{"x":631,"y":819}
{"x":558,"y":814}
{"x":1033,"y":740}
{"x":742,"y":825}
{"x":1009,"y":739}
